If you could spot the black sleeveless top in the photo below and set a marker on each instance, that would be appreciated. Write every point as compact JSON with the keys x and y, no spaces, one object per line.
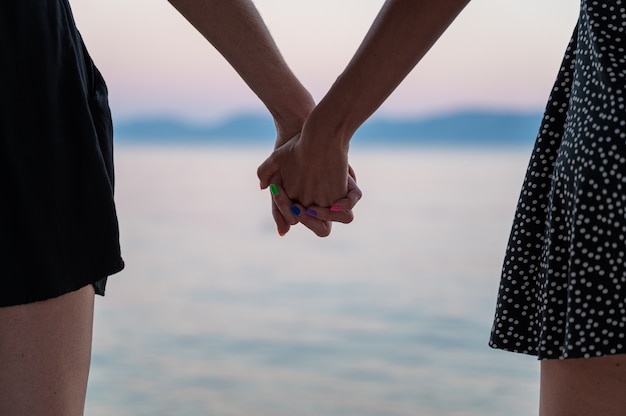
{"x":58,"y":225}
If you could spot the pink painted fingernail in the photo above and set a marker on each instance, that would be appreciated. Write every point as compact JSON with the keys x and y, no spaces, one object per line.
{"x":336,"y":208}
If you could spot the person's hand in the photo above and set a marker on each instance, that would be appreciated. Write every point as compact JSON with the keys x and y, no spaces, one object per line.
{"x":308,"y":187}
{"x":317,"y":219}
{"x":311,"y":175}
{"x":284,"y":211}
{"x":340,"y":210}
{"x":287,"y":213}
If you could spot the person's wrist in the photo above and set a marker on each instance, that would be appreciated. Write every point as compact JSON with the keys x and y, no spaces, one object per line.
{"x":291,"y":115}
{"x":327,"y":129}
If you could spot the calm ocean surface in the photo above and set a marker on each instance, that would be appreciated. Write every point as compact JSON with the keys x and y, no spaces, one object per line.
{"x":215,"y":314}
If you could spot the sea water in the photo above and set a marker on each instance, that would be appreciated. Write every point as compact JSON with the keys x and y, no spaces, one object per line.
{"x":215,"y":314}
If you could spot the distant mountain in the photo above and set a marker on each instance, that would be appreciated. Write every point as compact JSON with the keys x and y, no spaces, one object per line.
{"x":460,"y":128}
{"x":243,"y":128}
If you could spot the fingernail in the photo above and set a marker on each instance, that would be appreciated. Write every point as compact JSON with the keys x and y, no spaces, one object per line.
{"x":336,"y":208}
{"x":311,"y":212}
{"x":295,"y":210}
{"x":274,"y":189}
{"x":281,"y":234}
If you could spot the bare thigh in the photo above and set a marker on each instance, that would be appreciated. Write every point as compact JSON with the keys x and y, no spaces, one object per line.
{"x":583,"y":387}
{"x":45,"y":352}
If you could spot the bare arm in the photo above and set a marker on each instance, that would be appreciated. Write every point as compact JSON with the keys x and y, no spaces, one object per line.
{"x":402,"y":34}
{"x":237,"y":31}
{"x":314,"y":165}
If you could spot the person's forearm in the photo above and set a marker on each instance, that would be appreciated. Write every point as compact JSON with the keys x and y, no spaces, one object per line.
{"x":237,"y":31}
{"x":401,"y":35}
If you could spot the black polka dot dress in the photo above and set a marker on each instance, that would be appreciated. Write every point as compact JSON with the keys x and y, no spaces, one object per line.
{"x":563,"y":287}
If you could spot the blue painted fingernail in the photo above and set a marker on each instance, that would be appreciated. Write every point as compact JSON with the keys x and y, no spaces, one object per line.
{"x":311,"y":212}
{"x":295,"y":210}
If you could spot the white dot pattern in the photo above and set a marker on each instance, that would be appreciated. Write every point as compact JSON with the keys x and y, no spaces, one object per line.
{"x":563,"y":287}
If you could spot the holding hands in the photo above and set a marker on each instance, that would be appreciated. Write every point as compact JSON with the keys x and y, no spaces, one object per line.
{"x":309,"y":175}
{"x":310,"y":183}
{"x":308,"y":172}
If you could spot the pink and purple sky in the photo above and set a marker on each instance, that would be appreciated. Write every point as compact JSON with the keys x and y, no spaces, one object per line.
{"x":499,"y":54}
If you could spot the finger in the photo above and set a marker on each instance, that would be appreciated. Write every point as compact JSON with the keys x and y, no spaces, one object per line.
{"x":341,"y":210}
{"x":351,"y":173}
{"x":319,"y":227}
{"x":325,"y":214}
{"x":267,"y":170}
{"x":283,"y":204}
{"x":353,"y":197}
{"x":282,"y":226}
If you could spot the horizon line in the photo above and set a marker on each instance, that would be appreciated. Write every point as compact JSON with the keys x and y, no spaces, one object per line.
{"x":186,"y":119}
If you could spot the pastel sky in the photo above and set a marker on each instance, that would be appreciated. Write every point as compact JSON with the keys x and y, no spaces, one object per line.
{"x":500,"y":54}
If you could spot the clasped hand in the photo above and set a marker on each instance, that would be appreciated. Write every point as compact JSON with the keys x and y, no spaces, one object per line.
{"x":310,"y":184}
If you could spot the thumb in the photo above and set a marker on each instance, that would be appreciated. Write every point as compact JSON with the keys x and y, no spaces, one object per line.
{"x":267,"y":170}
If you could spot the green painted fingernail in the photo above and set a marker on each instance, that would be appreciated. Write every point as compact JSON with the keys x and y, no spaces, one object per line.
{"x":274,"y":189}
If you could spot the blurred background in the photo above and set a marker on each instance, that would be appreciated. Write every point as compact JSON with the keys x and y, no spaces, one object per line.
{"x":215,"y":314}
{"x":497,"y":54}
